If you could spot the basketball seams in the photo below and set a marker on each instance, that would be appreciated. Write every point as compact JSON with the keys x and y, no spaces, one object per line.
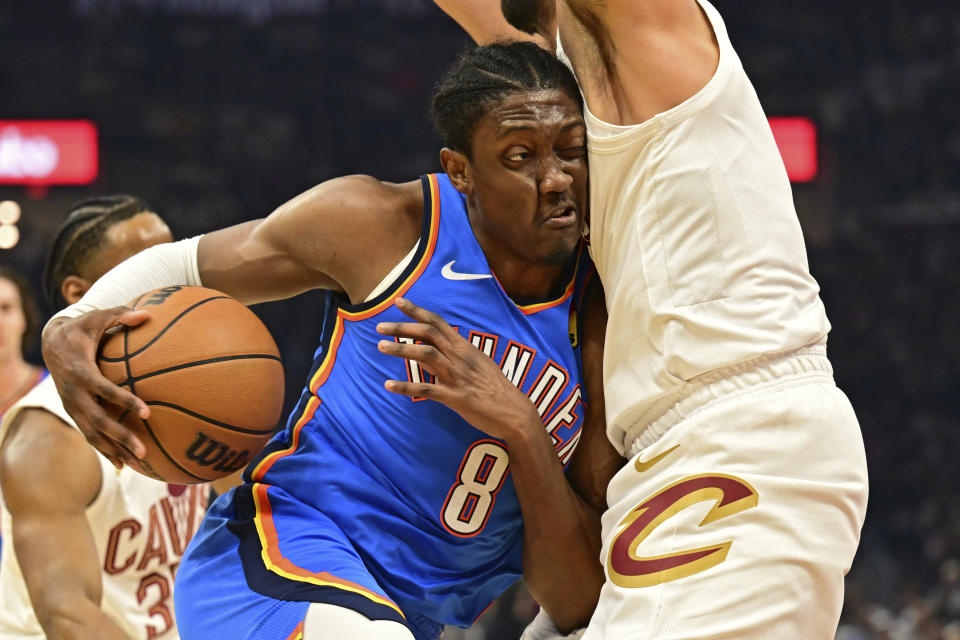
{"x":163,"y":450}
{"x":126,"y":359}
{"x":216,"y":423}
{"x":127,"y":355}
{"x":174,"y":367}
{"x":197,"y":363}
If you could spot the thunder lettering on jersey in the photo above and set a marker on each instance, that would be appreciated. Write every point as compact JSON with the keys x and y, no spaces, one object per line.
{"x":425,"y":499}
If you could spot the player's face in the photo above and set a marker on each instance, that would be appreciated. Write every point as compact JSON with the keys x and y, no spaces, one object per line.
{"x":13,"y":322}
{"x":528,"y":176}
{"x":126,"y":239}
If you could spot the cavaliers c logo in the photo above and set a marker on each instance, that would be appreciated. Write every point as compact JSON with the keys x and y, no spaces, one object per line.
{"x":627,"y":569}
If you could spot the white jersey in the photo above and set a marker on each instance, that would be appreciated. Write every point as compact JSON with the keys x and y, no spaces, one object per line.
{"x":141,"y":528}
{"x":697,"y":243}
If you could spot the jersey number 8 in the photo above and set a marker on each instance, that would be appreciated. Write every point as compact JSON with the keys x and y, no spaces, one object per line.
{"x":470,"y":500}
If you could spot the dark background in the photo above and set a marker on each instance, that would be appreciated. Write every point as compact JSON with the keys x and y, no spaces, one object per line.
{"x":217,"y":112}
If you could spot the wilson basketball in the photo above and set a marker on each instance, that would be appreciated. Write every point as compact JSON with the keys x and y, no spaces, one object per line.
{"x":210,"y":373}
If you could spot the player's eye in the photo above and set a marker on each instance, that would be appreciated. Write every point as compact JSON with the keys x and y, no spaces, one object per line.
{"x":518,"y":154}
{"x":575,"y":151}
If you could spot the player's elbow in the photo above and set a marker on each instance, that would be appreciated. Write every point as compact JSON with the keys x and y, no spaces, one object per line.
{"x":575,"y":616}
{"x":70,"y":621}
{"x":570,"y":601}
{"x":60,"y":625}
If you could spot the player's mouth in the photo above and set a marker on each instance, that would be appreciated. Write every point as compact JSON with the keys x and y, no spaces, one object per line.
{"x":562,"y":217}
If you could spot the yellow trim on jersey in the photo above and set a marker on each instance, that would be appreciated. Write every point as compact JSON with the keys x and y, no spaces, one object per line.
{"x":274,"y":560}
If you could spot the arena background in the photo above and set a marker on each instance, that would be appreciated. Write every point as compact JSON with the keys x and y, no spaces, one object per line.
{"x":216,"y":111}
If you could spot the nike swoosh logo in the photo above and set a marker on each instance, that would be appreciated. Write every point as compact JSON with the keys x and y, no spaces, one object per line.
{"x":448,"y":273}
{"x":645,"y":466}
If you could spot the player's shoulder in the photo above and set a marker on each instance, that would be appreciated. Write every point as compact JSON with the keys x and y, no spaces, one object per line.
{"x":363,"y":194}
{"x":43,"y":396}
{"x":41,"y":409}
{"x":41,"y":452}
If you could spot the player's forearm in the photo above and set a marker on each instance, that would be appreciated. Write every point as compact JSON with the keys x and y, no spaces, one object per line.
{"x":163,"y":265}
{"x":561,"y":533}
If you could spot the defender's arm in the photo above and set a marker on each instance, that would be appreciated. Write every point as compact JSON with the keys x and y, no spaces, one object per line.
{"x":483,"y":20}
{"x":49,"y":476}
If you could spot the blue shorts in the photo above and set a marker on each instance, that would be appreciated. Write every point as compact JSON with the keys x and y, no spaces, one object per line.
{"x":238,"y":581}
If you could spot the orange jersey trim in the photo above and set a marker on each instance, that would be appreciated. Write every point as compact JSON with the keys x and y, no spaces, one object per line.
{"x":424,"y":259}
{"x":297,"y":633}
{"x":530,"y":309}
{"x":274,"y":560}
{"x":261,"y":469}
{"x":323,"y":371}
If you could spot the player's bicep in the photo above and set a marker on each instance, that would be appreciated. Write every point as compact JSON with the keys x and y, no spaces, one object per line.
{"x":341,"y":235}
{"x":595,"y":461}
{"x":49,"y":476}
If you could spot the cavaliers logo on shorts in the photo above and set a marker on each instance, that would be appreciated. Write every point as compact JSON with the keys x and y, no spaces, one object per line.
{"x":628,"y":569}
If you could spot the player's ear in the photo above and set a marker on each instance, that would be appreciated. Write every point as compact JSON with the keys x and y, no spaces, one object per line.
{"x":73,"y":287}
{"x":457,"y":167}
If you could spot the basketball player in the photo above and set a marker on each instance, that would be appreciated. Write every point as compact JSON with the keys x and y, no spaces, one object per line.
{"x":18,"y":322}
{"x":88,"y":551}
{"x":740,"y":509}
{"x":380,"y":513}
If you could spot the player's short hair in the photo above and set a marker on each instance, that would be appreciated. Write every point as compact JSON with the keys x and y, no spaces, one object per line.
{"x":481,"y":77}
{"x":28,"y":303}
{"x":81,"y":235}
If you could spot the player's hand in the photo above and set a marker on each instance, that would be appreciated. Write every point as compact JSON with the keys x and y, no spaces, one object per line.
{"x":466,"y":380}
{"x":69,"y":352}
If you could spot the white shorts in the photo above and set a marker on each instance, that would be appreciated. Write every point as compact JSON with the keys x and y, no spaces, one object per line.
{"x":741,"y":514}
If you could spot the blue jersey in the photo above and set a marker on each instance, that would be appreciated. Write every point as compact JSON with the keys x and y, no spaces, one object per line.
{"x":422,"y":498}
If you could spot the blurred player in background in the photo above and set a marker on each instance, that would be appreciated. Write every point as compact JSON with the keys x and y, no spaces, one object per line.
{"x":18,"y":323}
{"x":741,"y":508}
{"x":376,"y":516}
{"x":88,"y":551}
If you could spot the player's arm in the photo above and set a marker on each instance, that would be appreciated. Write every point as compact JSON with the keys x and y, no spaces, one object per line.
{"x":596,"y":461}
{"x":561,"y":532}
{"x":637,"y":58}
{"x":49,"y":476}
{"x":345,"y":234}
{"x":552,"y":577}
{"x":483,"y":20}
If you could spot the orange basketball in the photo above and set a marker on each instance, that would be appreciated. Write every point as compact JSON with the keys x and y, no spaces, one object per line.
{"x":210,"y":373}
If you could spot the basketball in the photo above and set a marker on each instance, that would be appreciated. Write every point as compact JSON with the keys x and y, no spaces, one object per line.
{"x":210,"y":373}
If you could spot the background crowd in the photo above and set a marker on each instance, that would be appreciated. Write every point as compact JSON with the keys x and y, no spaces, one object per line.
{"x":217,"y":115}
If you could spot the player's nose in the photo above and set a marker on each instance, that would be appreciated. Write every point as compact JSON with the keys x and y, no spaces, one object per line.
{"x":553,"y":178}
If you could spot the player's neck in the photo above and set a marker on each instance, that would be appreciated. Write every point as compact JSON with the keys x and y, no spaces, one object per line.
{"x":525,"y":281}
{"x":15,"y":373}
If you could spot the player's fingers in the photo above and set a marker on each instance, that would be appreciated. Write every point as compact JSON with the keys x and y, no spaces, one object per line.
{"x":119,"y":396}
{"x":85,"y":378}
{"x":126,"y":316}
{"x":110,"y":449}
{"x":415,"y":331}
{"x":92,"y":419}
{"x":420,"y":314}
{"x":429,"y":357}
{"x":436,"y":392}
